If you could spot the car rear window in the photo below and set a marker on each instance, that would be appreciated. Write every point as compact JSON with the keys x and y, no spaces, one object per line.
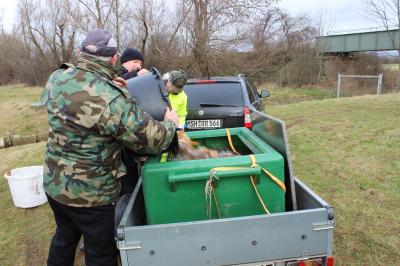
{"x":225,"y":94}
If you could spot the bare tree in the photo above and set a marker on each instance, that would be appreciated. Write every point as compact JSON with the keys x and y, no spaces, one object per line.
{"x":295,"y":30}
{"x":387,"y":12}
{"x":144,"y":17}
{"x":99,"y":10}
{"x":278,"y":39}
{"x":117,"y":14}
{"x":182,"y":15}
{"x":323,"y":24}
{"x":154,"y":28}
{"x":205,"y":37}
{"x":262,"y":35}
{"x":50,"y":26}
{"x":216,"y":25}
{"x":167,"y":40}
{"x":264,"y":30}
{"x":47,"y":32}
{"x":11,"y":52}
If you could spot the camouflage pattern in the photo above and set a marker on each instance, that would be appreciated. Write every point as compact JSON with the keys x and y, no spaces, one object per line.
{"x":91,"y":119}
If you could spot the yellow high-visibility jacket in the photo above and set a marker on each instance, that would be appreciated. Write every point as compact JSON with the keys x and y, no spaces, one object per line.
{"x":179,"y":103}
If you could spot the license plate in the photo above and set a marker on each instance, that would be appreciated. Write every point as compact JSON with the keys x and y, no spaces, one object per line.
{"x":196,"y":124}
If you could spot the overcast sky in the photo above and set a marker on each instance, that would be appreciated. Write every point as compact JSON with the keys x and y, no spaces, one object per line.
{"x":339,"y":14}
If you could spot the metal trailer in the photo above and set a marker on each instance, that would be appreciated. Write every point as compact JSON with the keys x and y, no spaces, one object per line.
{"x":304,"y":233}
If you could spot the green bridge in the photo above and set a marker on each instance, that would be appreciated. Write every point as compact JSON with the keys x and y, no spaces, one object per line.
{"x":345,"y":43}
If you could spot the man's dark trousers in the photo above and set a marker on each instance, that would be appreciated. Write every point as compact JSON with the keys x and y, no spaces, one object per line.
{"x":96,"y":224}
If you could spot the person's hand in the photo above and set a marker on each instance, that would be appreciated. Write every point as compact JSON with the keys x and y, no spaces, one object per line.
{"x":142,"y":71}
{"x":120,"y":82}
{"x":171,"y":115}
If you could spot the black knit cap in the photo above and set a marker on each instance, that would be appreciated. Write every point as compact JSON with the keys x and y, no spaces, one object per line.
{"x":131,"y":54}
{"x":103,"y":42}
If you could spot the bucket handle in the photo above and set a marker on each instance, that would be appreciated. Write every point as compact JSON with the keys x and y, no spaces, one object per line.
{"x":246,"y":171}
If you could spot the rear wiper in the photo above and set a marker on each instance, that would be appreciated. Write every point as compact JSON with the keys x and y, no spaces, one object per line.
{"x":215,"y":104}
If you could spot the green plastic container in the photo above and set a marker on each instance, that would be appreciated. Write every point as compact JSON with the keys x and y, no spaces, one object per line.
{"x":174,"y":191}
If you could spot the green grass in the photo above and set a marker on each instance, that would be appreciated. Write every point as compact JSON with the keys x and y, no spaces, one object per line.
{"x":21,"y":230}
{"x":25,"y":234}
{"x":392,"y":67}
{"x":281,"y":95}
{"x":346,"y":150}
{"x":17,"y":115}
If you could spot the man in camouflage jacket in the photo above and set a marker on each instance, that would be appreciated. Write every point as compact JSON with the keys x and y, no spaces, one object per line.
{"x":91,"y":118}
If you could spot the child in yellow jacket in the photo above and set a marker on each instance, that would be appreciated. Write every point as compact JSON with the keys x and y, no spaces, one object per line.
{"x":175,"y":80}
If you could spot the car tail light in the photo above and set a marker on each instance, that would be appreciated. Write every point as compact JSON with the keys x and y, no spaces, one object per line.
{"x":247,"y":118}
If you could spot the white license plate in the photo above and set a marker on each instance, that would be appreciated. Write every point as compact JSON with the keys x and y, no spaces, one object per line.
{"x":195,"y":124}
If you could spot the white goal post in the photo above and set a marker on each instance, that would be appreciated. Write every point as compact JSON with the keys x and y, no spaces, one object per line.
{"x":378,"y":85}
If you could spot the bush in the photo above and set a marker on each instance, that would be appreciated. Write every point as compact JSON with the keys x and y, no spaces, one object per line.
{"x":301,"y":70}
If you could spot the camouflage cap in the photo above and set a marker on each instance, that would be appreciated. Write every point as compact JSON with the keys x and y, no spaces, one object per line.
{"x":99,"y":42}
{"x":177,"y":77}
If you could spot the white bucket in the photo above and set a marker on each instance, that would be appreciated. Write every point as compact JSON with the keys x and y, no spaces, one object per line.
{"x":26,"y":186}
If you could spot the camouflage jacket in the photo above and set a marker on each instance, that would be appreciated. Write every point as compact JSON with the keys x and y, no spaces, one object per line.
{"x":90,"y":120}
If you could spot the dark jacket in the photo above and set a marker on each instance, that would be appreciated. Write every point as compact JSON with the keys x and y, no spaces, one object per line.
{"x":127,"y":75}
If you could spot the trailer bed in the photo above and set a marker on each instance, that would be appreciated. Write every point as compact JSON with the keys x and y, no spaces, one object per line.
{"x":304,"y":231}
{"x":295,"y":235}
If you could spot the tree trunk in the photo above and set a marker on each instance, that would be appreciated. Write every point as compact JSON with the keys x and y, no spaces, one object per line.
{"x":117,"y":30}
{"x":201,"y":37}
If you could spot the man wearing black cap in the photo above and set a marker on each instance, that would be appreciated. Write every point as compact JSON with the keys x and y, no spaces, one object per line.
{"x":132,"y":62}
{"x":91,"y":117}
{"x":131,"y":66}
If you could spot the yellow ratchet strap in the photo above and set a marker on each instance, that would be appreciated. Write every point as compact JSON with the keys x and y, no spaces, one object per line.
{"x":210,"y":186}
{"x":254,"y":163}
{"x":274,"y":178}
{"x":228,"y":134}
